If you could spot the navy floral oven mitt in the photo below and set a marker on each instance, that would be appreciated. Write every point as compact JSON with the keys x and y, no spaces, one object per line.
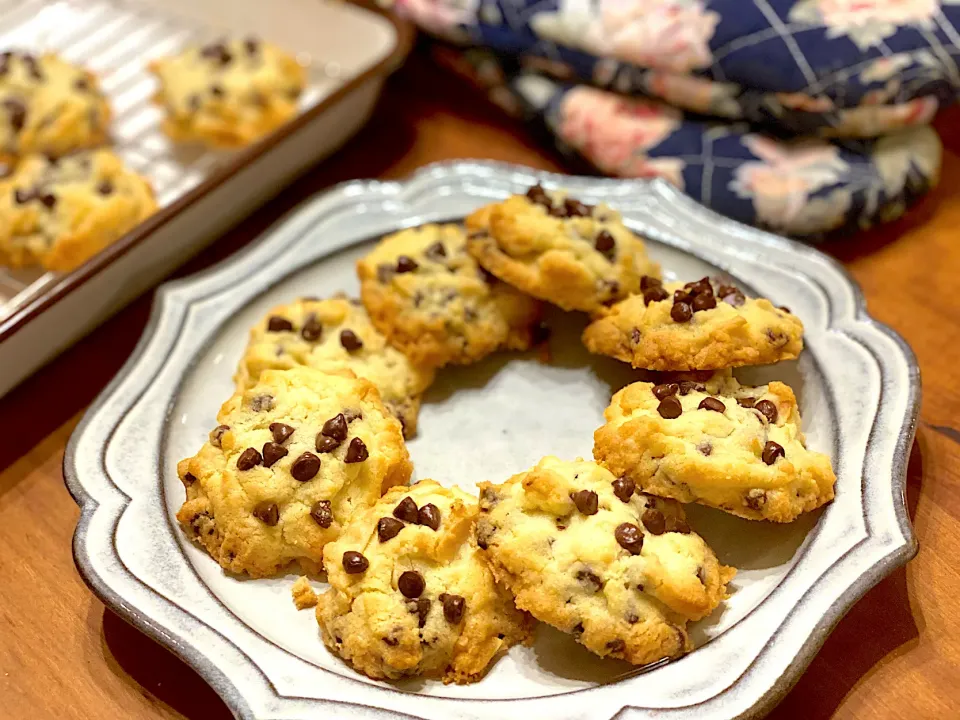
{"x":804,"y":117}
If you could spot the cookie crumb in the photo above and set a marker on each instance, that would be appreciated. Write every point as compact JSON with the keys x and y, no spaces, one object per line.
{"x":303,"y":595}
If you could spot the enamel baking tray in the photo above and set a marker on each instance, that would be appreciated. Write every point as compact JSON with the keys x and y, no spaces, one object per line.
{"x":348,"y":50}
{"x":857,"y":385}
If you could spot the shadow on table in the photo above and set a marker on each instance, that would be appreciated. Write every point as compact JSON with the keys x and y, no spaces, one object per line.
{"x":880,"y":627}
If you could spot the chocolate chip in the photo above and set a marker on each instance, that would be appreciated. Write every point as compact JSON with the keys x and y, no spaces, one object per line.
{"x":746,"y":402}
{"x":388,"y":528}
{"x":429,"y":515}
{"x":768,"y":410}
{"x":281,"y":433}
{"x":702,"y":301}
{"x":189,"y":479}
{"x":678,"y":525}
{"x":436,"y":252}
{"x":654,"y":294}
{"x":261,"y":403}
{"x":772,"y":451}
{"x":784,"y":308}
{"x":632,"y":618}
{"x":755,"y":499}
{"x":577,"y":629}
{"x":453,"y":607}
{"x":354,"y":563}
{"x":251,"y":45}
{"x":48,"y":199}
{"x":82,"y":84}
{"x":384,"y":273}
{"x":605,"y":244}
{"x":623,"y":488}
{"x":711,"y":403}
{"x":406,"y":264}
{"x":336,"y":428}
{"x":217,"y":91}
{"x":249,"y":459}
{"x":272,"y":452}
{"x":216,"y":435}
{"x":350,"y":341}
{"x":422,"y":608}
{"x":665,"y":390}
{"x":654,"y":521}
{"x":681,"y":312}
{"x":217,"y":52}
{"x":267,"y":512}
{"x":617,"y":646}
{"x":648,"y":282}
{"x":22,"y":197}
{"x":705,"y":448}
{"x":635,"y":336}
{"x":312,"y":329}
{"x":33,"y":67}
{"x":392,"y":642}
{"x":699,"y":286}
{"x":575,"y":208}
{"x":586,"y":501}
{"x":279,"y":324}
{"x":406,"y":510}
{"x":736,"y":299}
{"x":590,"y":579}
{"x":321,"y":513}
{"x":356,"y":451}
{"x":105,"y":187}
{"x":688,"y":386}
{"x":538,"y":195}
{"x":305,"y":467}
{"x":629,"y":537}
{"x":326,"y":444}
{"x":682,"y":296}
{"x":670,"y":408}
{"x":411,"y":584}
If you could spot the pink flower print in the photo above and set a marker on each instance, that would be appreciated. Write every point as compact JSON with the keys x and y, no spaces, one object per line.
{"x":439,"y":17}
{"x":693,"y":93}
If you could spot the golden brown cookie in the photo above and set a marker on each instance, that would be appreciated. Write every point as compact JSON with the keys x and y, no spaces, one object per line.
{"x":436,"y":305}
{"x":581,"y":550}
{"x":292,"y":460}
{"x":48,"y":107}
{"x":228,"y":93}
{"x":718,"y":443}
{"x":697,"y":326}
{"x":60,"y":213}
{"x":410,"y":592}
{"x":329,"y":335}
{"x":556,"y":248}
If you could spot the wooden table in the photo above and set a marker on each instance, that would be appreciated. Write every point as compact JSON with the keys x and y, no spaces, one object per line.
{"x":895,"y":655}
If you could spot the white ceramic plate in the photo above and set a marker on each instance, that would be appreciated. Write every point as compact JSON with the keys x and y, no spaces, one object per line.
{"x":857,"y":382}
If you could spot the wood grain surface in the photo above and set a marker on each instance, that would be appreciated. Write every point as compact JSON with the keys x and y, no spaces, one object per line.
{"x":895,"y":655}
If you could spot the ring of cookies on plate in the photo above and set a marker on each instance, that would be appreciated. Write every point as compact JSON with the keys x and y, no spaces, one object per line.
{"x":308,"y":463}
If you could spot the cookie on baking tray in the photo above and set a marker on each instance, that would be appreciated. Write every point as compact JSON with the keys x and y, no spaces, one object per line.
{"x":582,"y":550}
{"x":59,"y":213}
{"x":556,"y":248}
{"x":436,"y":305}
{"x":228,"y":93}
{"x":699,"y":325}
{"x":410,"y":592}
{"x":48,"y":106}
{"x":717,"y":443}
{"x":330,"y":334}
{"x":292,"y":459}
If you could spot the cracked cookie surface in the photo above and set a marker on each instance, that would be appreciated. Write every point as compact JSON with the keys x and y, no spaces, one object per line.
{"x":436,"y":305}
{"x":411,"y":594}
{"x":580,"y":549}
{"x":293,"y":458}
{"x":59,"y":213}
{"x":695,"y":326}
{"x":331,"y":334}
{"x":718,"y":443}
{"x":556,"y":248}
{"x":228,"y":93}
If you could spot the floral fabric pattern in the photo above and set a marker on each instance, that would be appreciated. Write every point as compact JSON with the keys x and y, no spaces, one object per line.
{"x":805,"y":117}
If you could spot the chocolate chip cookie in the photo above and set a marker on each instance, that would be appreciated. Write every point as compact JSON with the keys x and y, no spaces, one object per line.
{"x":582,"y":550}
{"x":48,"y":106}
{"x":556,"y":248}
{"x":717,"y":443}
{"x":436,"y":305}
{"x":702,"y":325}
{"x":332,"y":334}
{"x":228,"y":93}
{"x":410,"y":592}
{"x":59,"y":213}
{"x":291,"y":460}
